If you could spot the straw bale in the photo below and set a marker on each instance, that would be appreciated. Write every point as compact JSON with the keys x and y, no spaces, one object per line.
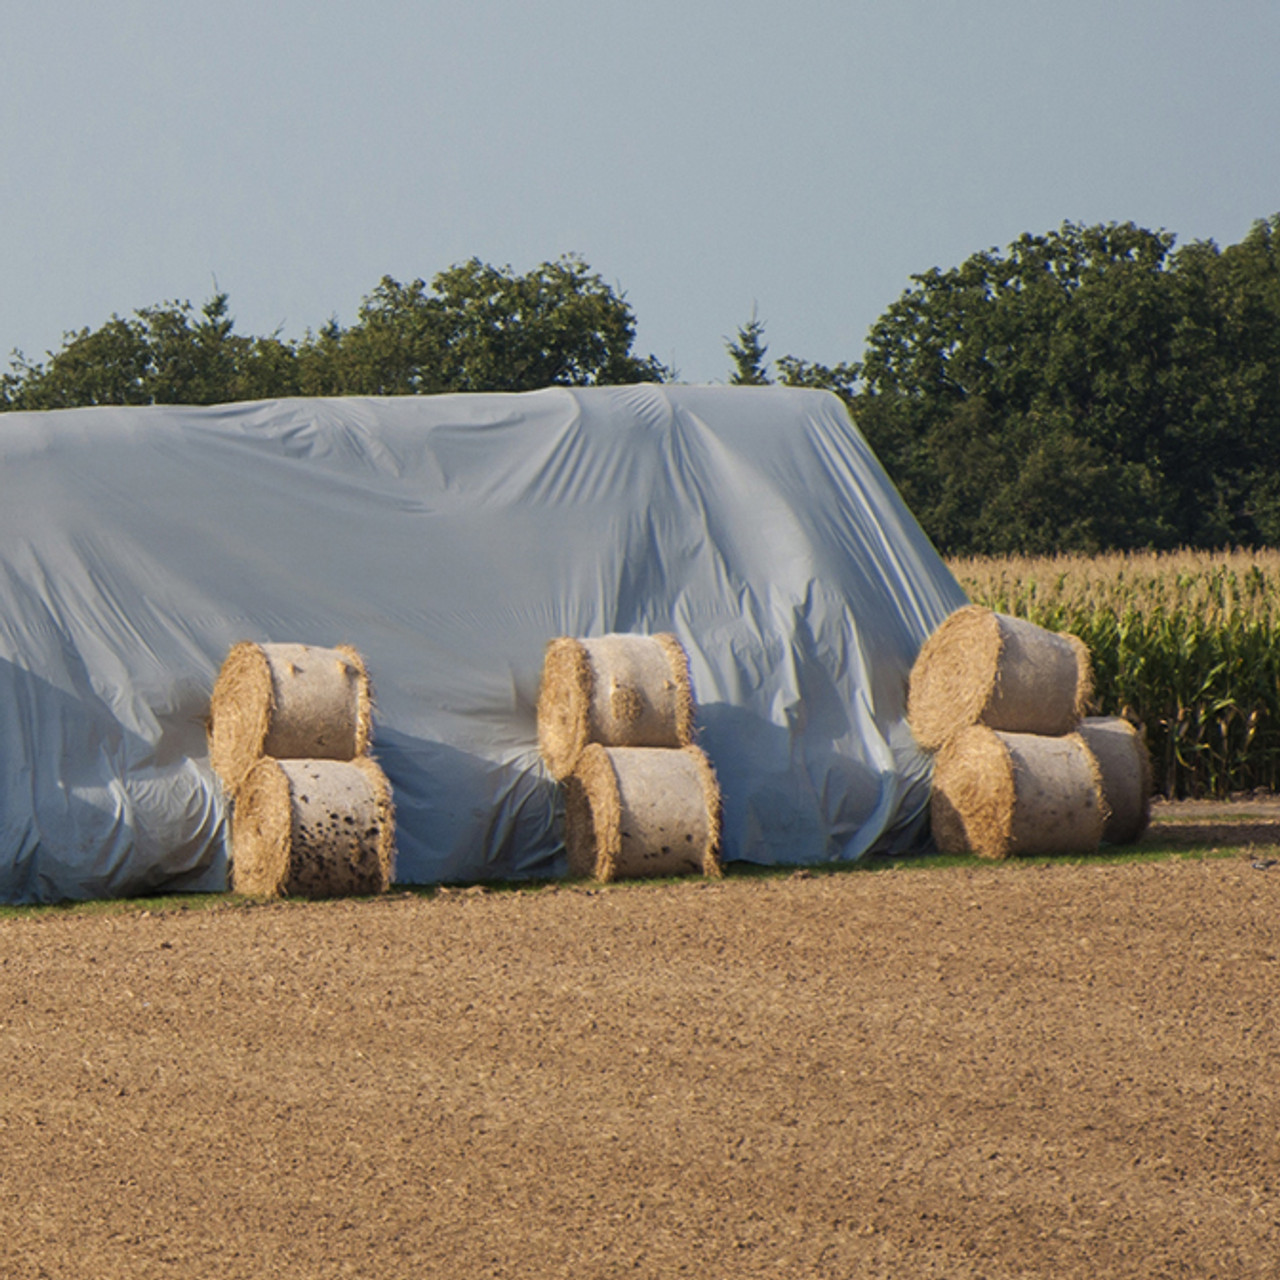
{"x":615,"y":690}
{"x":987,"y":668}
{"x":313,"y":829}
{"x":1124,"y":766}
{"x":997,"y":794}
{"x":289,"y":701}
{"x":642,"y":811}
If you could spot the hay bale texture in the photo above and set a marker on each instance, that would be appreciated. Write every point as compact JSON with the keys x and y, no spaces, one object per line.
{"x":986,"y":668}
{"x":1124,"y":765}
{"x":642,"y":811}
{"x":289,"y":701}
{"x":615,"y":690}
{"x":313,"y":829}
{"x":998,"y":794}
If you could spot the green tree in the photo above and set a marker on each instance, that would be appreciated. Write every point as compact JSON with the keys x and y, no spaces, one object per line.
{"x":750,"y":365}
{"x":105,"y":366}
{"x":482,"y":328}
{"x":842,"y":379}
{"x":167,"y":354}
{"x":474,"y":328}
{"x":1227,"y":378}
{"x":1091,"y":388}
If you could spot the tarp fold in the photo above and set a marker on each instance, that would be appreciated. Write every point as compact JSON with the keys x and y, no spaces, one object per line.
{"x":449,"y":539}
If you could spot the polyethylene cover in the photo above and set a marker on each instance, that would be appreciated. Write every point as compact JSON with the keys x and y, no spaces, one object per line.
{"x":448,"y":539}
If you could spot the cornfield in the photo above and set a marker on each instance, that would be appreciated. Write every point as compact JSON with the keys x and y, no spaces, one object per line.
{"x":1184,"y":644}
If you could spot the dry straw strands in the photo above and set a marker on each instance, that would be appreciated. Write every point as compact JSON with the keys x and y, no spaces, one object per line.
{"x":998,"y":794}
{"x":642,"y":811}
{"x":313,"y":829}
{"x":290,"y":701}
{"x":1125,"y":769}
{"x":981,"y":667}
{"x":615,"y":690}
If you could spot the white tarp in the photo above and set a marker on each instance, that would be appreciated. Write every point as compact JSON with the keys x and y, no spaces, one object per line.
{"x":449,"y":539}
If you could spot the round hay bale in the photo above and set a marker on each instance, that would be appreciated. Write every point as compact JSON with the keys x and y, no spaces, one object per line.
{"x":981,"y":667}
{"x":313,"y":829}
{"x":288,"y":701}
{"x":642,"y":811}
{"x":1124,"y":766}
{"x":616,"y":690}
{"x":997,"y":794}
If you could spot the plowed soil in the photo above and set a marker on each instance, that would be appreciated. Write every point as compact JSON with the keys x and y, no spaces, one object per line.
{"x":965,"y":1072}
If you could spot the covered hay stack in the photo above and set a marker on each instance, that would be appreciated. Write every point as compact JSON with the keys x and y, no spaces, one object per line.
{"x":1125,"y":769}
{"x":313,"y":829}
{"x":981,"y":667}
{"x":290,"y":701}
{"x":615,"y":690}
{"x":642,"y":811}
{"x":998,"y":794}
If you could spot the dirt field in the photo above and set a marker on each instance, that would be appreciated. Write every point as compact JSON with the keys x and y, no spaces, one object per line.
{"x":967,"y":1072}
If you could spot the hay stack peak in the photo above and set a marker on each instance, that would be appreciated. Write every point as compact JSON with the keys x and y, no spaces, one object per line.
{"x":290,"y":701}
{"x":615,"y":690}
{"x":982,"y":667}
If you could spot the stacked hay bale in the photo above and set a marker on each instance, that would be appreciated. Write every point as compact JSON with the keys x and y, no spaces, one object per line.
{"x":997,"y":793}
{"x":615,"y":725}
{"x":1125,"y":769}
{"x":289,"y":733}
{"x":1019,"y":769}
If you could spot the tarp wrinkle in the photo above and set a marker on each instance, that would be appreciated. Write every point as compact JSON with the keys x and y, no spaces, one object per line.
{"x":449,"y":539}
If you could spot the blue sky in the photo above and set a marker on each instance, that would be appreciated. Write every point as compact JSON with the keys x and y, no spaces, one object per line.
{"x":703,"y":156}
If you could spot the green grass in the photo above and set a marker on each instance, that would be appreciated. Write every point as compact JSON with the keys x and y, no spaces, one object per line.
{"x":1152,"y":850}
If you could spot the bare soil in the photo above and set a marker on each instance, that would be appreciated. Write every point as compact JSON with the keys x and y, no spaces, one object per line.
{"x":1003,"y":1071}
{"x":1239,"y":822}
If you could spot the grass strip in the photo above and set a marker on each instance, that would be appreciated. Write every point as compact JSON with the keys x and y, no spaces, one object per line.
{"x":1151,"y":850}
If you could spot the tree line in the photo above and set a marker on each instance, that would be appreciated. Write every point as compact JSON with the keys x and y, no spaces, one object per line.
{"x":1092,"y":388}
{"x":474,"y":328}
{"x":1095,"y":388}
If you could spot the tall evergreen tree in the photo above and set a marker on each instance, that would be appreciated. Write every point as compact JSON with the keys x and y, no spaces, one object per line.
{"x":750,"y":365}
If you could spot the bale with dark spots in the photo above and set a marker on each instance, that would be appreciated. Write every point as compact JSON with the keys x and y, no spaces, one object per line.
{"x":1000,"y":794}
{"x":1124,"y":765}
{"x":614,"y":690}
{"x":313,"y":829}
{"x":288,"y":701}
{"x":986,"y":668}
{"x":642,"y":811}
